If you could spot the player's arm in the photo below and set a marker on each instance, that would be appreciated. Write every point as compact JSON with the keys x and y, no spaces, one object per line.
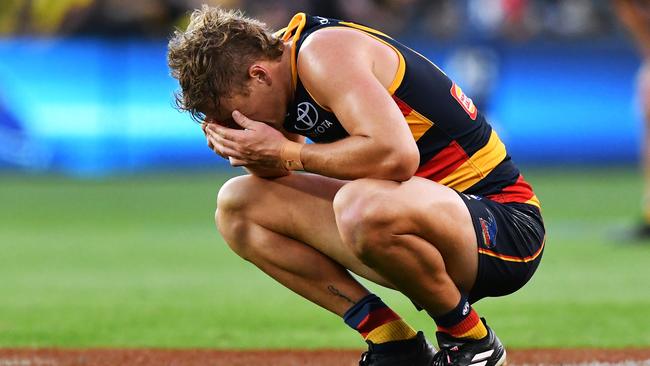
{"x":215,"y":144}
{"x":380,"y":144}
{"x":341,"y":76}
{"x":269,"y":172}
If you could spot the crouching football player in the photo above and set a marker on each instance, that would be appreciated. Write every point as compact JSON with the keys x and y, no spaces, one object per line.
{"x":406,"y":184}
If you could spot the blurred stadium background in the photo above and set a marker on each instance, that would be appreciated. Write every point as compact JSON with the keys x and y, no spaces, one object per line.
{"x":84,"y":87}
{"x":107,"y":192}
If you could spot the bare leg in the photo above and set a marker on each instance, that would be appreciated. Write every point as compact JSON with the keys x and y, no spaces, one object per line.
{"x":286,"y":227}
{"x":417,"y":234}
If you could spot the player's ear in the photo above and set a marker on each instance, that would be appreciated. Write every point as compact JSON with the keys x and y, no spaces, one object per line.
{"x":259,"y":73}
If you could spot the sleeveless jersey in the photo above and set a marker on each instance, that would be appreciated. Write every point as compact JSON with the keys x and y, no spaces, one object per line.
{"x":457,"y":147}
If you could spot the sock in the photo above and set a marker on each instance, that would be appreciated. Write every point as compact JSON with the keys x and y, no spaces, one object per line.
{"x":461,"y":322}
{"x":376,"y":322}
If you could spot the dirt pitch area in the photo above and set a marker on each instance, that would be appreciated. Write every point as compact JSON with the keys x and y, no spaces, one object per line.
{"x":158,"y":357}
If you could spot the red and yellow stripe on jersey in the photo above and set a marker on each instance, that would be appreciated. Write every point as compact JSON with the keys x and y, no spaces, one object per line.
{"x":457,"y":146}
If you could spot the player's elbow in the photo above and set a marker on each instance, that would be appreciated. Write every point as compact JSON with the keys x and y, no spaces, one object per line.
{"x":401,"y":165}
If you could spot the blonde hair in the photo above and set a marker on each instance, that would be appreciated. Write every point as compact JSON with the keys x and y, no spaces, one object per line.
{"x":210,"y":59}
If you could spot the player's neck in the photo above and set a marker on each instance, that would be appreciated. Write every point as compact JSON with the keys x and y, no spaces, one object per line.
{"x":287,"y":71}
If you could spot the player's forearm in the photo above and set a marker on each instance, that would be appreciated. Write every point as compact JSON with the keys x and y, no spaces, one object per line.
{"x":264,"y":172}
{"x":357,"y":157}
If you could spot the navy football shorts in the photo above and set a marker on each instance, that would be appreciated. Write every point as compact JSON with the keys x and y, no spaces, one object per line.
{"x":511,"y":240}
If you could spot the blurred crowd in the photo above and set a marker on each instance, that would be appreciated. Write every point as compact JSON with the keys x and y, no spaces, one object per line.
{"x":510,"y":19}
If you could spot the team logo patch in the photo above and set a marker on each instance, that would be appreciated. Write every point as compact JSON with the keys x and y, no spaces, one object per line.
{"x":466,"y":308}
{"x":489,"y":230}
{"x":464,"y":101}
{"x":308,"y":121}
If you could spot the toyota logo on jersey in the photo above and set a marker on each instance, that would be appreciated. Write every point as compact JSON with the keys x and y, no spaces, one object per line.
{"x":307,"y":116}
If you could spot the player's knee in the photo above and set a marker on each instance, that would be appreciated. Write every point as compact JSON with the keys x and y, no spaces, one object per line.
{"x":234,"y":229}
{"x":232,"y":202}
{"x":235,"y":194}
{"x":362,"y":217}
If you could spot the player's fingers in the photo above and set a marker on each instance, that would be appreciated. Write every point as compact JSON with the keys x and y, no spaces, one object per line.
{"x":214,"y":132}
{"x":230,"y":153}
{"x":214,"y":146}
{"x":236,"y":162}
{"x":243,"y":121}
{"x":225,"y":142}
{"x":218,"y":151}
{"x":224,"y":150}
{"x":210,"y":141}
{"x":224,"y":132}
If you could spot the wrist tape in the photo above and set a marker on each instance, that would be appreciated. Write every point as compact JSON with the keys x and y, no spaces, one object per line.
{"x":290,"y":155}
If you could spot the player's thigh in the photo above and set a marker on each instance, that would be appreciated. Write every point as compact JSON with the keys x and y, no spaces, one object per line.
{"x":424,"y":208}
{"x":298,"y":206}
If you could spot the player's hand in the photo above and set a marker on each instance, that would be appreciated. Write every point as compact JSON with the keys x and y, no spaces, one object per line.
{"x":211,"y":141}
{"x":213,"y":145}
{"x":258,"y":144}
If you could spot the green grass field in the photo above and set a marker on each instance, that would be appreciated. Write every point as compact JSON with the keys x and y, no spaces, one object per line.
{"x":136,"y":261}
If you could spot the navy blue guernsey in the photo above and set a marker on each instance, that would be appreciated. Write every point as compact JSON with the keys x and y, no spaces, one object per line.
{"x":457,"y":147}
